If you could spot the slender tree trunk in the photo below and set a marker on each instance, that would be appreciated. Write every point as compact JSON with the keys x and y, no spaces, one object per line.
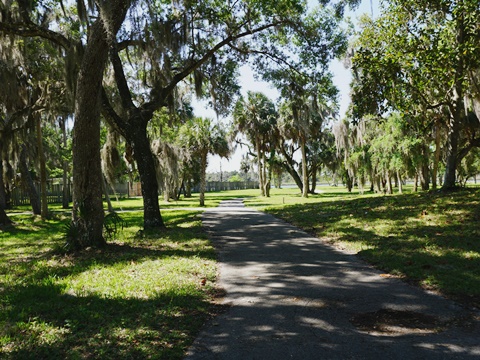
{"x":142,"y":153}
{"x":107,"y":197}
{"x":313,"y":174}
{"x":260,"y":169}
{"x":43,"y":168}
{"x":65,"y":193}
{"x":436,"y":158}
{"x":400,"y":184}
{"x":27,"y":178}
{"x":4,"y":220}
{"x":449,"y":181}
{"x":267,"y":178}
{"x":203,"y":177}
{"x":349,"y":181}
{"x":303,"y":148}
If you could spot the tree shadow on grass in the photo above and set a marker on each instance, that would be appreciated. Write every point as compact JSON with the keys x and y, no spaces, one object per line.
{"x":430,"y":238}
{"x":41,"y":318}
{"x":43,"y":322}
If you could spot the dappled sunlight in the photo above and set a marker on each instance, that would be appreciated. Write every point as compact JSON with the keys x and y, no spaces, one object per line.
{"x":137,"y":297}
{"x":414,"y":235}
{"x":292,"y":295}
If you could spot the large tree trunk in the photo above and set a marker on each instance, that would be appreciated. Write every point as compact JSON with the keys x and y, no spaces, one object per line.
{"x":424,"y":170}
{"x":388,"y":179}
{"x":28,"y":181}
{"x":457,"y":113}
{"x":87,"y":172}
{"x":88,"y":214}
{"x":400,"y":184}
{"x":142,"y":153}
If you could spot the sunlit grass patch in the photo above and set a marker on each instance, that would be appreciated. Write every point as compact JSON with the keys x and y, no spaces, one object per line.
{"x":144,"y":296}
{"x":430,"y":238}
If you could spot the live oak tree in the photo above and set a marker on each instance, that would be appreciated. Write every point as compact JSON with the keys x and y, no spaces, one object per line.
{"x":177,"y":41}
{"x":418,"y":58}
{"x":199,"y":42}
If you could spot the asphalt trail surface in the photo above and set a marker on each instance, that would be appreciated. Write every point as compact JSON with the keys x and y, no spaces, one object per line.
{"x":292,"y":296}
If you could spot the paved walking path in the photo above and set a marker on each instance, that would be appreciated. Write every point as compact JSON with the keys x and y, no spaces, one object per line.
{"x":293,"y":297}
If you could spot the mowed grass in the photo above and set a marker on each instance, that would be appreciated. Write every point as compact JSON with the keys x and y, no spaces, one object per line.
{"x":431,"y":238}
{"x":145,"y":296}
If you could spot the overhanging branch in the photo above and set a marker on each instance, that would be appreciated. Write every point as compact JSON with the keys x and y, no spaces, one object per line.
{"x":32,"y":30}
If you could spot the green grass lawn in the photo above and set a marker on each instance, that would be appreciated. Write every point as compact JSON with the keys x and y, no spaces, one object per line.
{"x":429,"y":238}
{"x":147,"y":294}
{"x":139,"y":298}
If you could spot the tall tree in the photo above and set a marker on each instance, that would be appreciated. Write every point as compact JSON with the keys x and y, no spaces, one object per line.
{"x":187,"y":40}
{"x":303,"y":115}
{"x":201,"y":137}
{"x":417,"y":58}
{"x":88,"y":211}
{"x":256,"y":118}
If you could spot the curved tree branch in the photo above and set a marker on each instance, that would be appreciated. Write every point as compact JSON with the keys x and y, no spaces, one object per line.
{"x":33,"y":30}
{"x":160,"y":94}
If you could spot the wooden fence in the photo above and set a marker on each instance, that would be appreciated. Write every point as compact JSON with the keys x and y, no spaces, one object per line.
{"x":227,"y":185}
{"x":20,"y":196}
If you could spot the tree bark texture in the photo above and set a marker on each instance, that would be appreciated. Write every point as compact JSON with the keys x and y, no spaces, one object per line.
{"x":304,"y":169}
{"x":436,"y":158}
{"x":43,"y":168}
{"x":143,"y":156}
{"x":261,"y":183}
{"x":288,"y":166}
{"x":457,"y":113}
{"x":4,"y":220}
{"x":203,"y":177}
{"x":28,"y":181}
{"x":65,"y":194}
{"x":88,"y":211}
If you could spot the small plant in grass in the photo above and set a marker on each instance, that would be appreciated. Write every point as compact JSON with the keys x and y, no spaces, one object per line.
{"x":71,"y":233}
{"x":112,"y":224}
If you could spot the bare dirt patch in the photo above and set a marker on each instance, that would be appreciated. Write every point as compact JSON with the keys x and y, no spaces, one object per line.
{"x":388,"y":322}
